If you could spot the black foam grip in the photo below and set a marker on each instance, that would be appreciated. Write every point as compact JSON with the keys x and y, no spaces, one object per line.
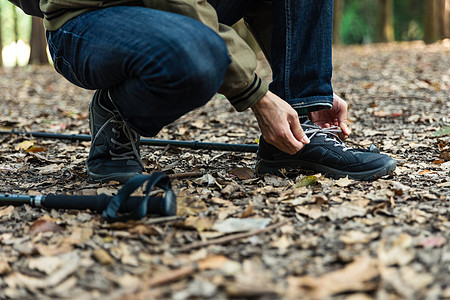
{"x":98,"y":203}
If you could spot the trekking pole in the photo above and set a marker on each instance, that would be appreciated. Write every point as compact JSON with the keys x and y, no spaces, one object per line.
{"x":151,"y":142}
{"x":109,"y":206}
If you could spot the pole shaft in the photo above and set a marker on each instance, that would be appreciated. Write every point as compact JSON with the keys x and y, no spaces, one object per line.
{"x":151,"y":142}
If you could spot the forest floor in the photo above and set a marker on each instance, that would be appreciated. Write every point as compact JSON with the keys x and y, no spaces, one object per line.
{"x":239,"y":235}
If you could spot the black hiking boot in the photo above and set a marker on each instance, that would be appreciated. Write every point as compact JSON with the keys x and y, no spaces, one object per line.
{"x":326,"y":154}
{"x":114,"y":153}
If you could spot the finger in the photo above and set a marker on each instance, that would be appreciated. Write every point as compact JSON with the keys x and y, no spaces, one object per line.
{"x":297,"y":131}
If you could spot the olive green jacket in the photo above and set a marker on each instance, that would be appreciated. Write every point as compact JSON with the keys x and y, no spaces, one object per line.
{"x":241,"y":85}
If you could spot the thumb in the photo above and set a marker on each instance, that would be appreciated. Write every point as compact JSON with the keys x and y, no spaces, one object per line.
{"x":298,"y":132}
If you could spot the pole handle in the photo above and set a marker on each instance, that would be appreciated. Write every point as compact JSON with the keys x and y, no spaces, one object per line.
{"x":165,"y":206}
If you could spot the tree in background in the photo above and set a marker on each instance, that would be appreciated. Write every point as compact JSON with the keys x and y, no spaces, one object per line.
{"x":385,"y":21}
{"x":338,"y":13}
{"x":15,"y":29}
{"x":38,"y":44}
{"x":445,"y":18}
{"x":437,"y":20}
{"x":1,"y":40}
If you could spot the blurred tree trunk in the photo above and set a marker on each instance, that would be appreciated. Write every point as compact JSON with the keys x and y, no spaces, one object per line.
{"x":38,"y":44}
{"x":16,"y":30}
{"x":444,"y":19}
{"x":1,"y":43}
{"x":338,"y":12}
{"x":431,"y":30}
{"x":385,"y":26}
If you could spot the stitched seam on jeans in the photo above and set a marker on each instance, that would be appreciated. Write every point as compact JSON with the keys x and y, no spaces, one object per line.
{"x":287,"y":12}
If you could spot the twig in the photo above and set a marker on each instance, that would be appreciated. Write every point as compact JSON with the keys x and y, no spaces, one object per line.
{"x":159,"y":157}
{"x":171,"y":276}
{"x":164,"y":220}
{"x":232,"y":237}
{"x":186,"y":174}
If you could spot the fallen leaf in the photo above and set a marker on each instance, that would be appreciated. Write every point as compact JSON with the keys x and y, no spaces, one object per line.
{"x":71,"y":263}
{"x":143,"y":229}
{"x":53,"y":168}
{"x":343,"y":182}
{"x":103,"y":257}
{"x":4,"y":267}
{"x":45,"y":264}
{"x":248,"y":211}
{"x":399,"y":253}
{"x":190,"y":206}
{"x":239,"y":225}
{"x":312,"y":211}
{"x":198,"y":223}
{"x":306,"y":181}
{"x":24,"y":145}
{"x":7,"y":211}
{"x":282,"y":244}
{"x":426,"y":172}
{"x":357,"y":276}
{"x":345,"y":211}
{"x":243,"y":173}
{"x":36,"y":149}
{"x":357,"y":237}
{"x":42,"y":225}
{"x":212,"y":262}
{"x":445,"y":155}
{"x":445,"y":130}
{"x":432,"y":242}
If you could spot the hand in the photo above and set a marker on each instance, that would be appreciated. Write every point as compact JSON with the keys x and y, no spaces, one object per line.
{"x":279,"y":124}
{"x":336,"y":116}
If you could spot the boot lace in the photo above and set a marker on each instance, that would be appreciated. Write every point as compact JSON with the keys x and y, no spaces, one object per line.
{"x":123,"y":151}
{"x":330,"y":134}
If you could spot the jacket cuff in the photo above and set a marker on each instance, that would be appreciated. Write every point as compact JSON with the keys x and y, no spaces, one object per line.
{"x":250,"y":94}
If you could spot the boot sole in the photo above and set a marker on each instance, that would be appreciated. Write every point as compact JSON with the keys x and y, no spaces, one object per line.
{"x":102,"y":178}
{"x":273,"y":167}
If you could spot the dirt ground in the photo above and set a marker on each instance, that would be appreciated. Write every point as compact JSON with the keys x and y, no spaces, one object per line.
{"x":238,"y":235}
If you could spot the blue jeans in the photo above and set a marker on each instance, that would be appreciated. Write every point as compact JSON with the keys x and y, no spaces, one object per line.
{"x":156,"y":71}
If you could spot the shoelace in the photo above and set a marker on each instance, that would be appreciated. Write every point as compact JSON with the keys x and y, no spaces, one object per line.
{"x":331,"y":131}
{"x":130,"y":148}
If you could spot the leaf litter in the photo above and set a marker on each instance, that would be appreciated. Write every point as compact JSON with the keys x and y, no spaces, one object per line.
{"x":237,"y":234}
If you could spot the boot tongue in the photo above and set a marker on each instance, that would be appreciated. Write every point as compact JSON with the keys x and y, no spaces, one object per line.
{"x":309,"y":125}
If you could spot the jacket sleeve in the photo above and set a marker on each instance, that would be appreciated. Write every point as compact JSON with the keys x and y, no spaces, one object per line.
{"x":241,"y":85}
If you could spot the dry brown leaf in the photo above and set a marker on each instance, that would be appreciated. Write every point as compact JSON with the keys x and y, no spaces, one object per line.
{"x":189,"y":206}
{"x":24,"y":145}
{"x":343,"y":182}
{"x":345,"y":211}
{"x":52,"y":250}
{"x":4,"y":267}
{"x":243,"y":173}
{"x":7,"y":211}
{"x":355,"y":277}
{"x":36,"y":149}
{"x":283,"y":243}
{"x":312,"y":211}
{"x":103,"y":257}
{"x":143,"y":229}
{"x":198,"y":223}
{"x":43,"y":225}
{"x":248,"y":211}
{"x":357,"y":237}
{"x":212,"y":262}
{"x":399,"y":253}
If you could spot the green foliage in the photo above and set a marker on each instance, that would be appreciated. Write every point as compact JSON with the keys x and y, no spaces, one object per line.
{"x":359,"y":20}
{"x":24,"y":23}
{"x":408,"y":20}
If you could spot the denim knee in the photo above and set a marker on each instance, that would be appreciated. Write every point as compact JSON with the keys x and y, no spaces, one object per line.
{"x":201,"y":65}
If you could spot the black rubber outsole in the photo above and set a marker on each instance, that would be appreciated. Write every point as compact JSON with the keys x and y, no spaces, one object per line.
{"x":272,"y":167}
